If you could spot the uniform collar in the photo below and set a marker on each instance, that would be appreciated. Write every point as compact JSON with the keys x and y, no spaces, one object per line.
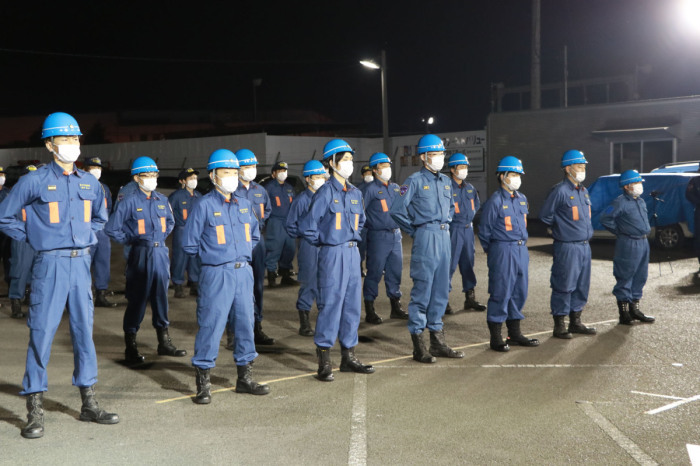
{"x":506,"y":195}
{"x":336,"y":184}
{"x":572,"y":186}
{"x":58,"y":171}
{"x":427,"y":172}
{"x":223,"y":199}
{"x":143,"y":195}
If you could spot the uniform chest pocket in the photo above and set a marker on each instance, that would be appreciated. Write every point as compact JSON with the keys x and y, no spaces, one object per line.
{"x":162,"y":214}
{"x":53,"y":202}
{"x":505,"y":217}
{"x":217,"y":226}
{"x":88,"y":197}
{"x":383,"y":202}
{"x":573,"y":210}
{"x":337,"y":210}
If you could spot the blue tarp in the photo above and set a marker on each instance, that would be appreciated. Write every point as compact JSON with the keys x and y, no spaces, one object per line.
{"x":678,"y":168}
{"x":672,"y":208}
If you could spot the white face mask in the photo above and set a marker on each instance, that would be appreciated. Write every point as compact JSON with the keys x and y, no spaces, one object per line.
{"x":384,"y":174}
{"x":228,"y":184}
{"x":149,"y":184}
{"x":249,"y":174}
{"x":281,"y":176}
{"x":345,"y":168}
{"x":369,"y":179}
{"x":192,"y":184}
{"x":96,"y":172}
{"x":637,"y":190}
{"x":315,"y":184}
{"x":68,"y":153}
{"x":2,"y":181}
{"x":462,"y":174}
{"x":578,"y":176}
{"x":436,"y":162}
{"x":514,"y":183}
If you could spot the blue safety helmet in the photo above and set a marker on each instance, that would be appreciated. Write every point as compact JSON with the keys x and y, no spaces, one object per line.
{"x":60,"y":124}
{"x":335,"y":146}
{"x":314,"y":167}
{"x":571,"y":157}
{"x":246,"y":157}
{"x":222,"y":158}
{"x":510,"y":164}
{"x":143,"y":165}
{"x":458,"y":159}
{"x":377,"y":158}
{"x":430,"y":143}
{"x":630,"y":176}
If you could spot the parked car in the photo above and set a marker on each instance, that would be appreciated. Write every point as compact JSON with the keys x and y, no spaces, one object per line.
{"x":670,"y":213}
{"x":678,"y":167}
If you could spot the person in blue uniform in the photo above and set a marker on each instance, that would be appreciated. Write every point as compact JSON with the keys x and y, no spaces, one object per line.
{"x":314,"y":174}
{"x":102,"y":252}
{"x":181,"y":202}
{"x":5,"y":242}
{"x":258,"y":197}
{"x":567,"y":210}
{"x":132,"y":187}
{"x":503,"y":237}
{"x":280,"y":246}
{"x":627,"y":219}
{"x":367,"y":178}
{"x":333,"y":224}
{"x":466,"y":201}
{"x":223,"y":231}
{"x":424,"y":210}
{"x":64,"y":209}
{"x":692,"y":194}
{"x":383,"y":241}
{"x":144,"y":220}
{"x":21,"y":259}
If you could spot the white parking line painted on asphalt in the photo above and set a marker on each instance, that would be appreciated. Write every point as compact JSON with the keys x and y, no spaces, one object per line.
{"x":657,"y":395}
{"x":357,"y":456}
{"x":694,"y":454}
{"x":675,"y":404}
{"x":618,"y":437}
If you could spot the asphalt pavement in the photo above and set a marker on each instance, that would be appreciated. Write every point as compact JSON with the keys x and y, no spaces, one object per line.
{"x":627,"y":395}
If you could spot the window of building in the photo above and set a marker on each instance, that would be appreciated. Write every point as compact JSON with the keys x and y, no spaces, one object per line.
{"x":642,"y":156}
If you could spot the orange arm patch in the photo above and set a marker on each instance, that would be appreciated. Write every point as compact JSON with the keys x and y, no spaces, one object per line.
{"x":162,"y":224}
{"x":247,"y":232}
{"x":184,"y":214}
{"x":472,"y":204}
{"x":277,"y":201}
{"x":262,"y":211}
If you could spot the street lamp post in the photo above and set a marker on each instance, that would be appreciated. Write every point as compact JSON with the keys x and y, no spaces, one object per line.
{"x":385,"y":105}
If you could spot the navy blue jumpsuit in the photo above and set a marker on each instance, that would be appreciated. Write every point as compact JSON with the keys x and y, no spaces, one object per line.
{"x":181,"y":201}
{"x":308,"y":253}
{"x":280,"y":246}
{"x":467,"y":203}
{"x":102,"y":252}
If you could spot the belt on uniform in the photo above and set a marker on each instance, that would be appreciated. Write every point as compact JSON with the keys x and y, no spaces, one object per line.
{"x":458,"y":225}
{"x":633,"y":237}
{"x":435,"y":226}
{"x":519,"y":242}
{"x":67,"y":252}
{"x":572,"y":242}
{"x":238,"y":265}
{"x":148,"y":243}
{"x":349,"y":244}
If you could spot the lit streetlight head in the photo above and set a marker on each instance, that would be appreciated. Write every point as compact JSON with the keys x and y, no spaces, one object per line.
{"x":431,"y":120}
{"x":369,"y":64}
{"x":689,"y":12}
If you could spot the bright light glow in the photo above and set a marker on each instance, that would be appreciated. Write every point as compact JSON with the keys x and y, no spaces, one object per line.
{"x":690,"y":14}
{"x":369,"y":64}
{"x":431,"y":120}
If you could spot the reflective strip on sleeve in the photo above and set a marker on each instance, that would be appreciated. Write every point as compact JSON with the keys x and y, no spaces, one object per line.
{"x":87,"y":215}
{"x":53,"y":212}
{"x":105,"y":202}
{"x":337,"y":220}
{"x":290,"y":199}
{"x":184,"y":214}
{"x":142,"y":226}
{"x":457,"y":207}
{"x":574,"y":212}
{"x":385,"y":208}
{"x":509,"y":226}
{"x":247,"y":232}
{"x":220,"y":235}
{"x":277,"y":200}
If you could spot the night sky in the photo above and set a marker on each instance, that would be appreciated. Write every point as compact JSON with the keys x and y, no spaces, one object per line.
{"x":441,"y":55}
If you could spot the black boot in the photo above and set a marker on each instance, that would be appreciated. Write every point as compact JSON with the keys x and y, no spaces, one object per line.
{"x":470,"y":302}
{"x":91,"y":412}
{"x":325,"y":367}
{"x":497,"y":343}
{"x":305,"y":329}
{"x":230,"y":340}
{"x":287,"y":279}
{"x":576,"y":326}
{"x":101,"y":300}
{"x":420,"y":352}
{"x":271,"y":278}
{"x":16,"y":305}
{"x":179,"y":291}
{"x":349,"y":363}
{"x":448,"y":309}
{"x":623,"y":308}
{"x":35,"y":416}
{"x":194,"y":289}
{"x":638,"y":315}
{"x":131,"y":354}
{"x":203,"y":396}
{"x":165,"y":344}
{"x":245,"y":383}
{"x":560,"y":330}
{"x":371,"y":316}
{"x":260,"y":337}
{"x":515,"y":336}
{"x":397,"y":311}
{"x":27,"y":295}
{"x":439,"y":348}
